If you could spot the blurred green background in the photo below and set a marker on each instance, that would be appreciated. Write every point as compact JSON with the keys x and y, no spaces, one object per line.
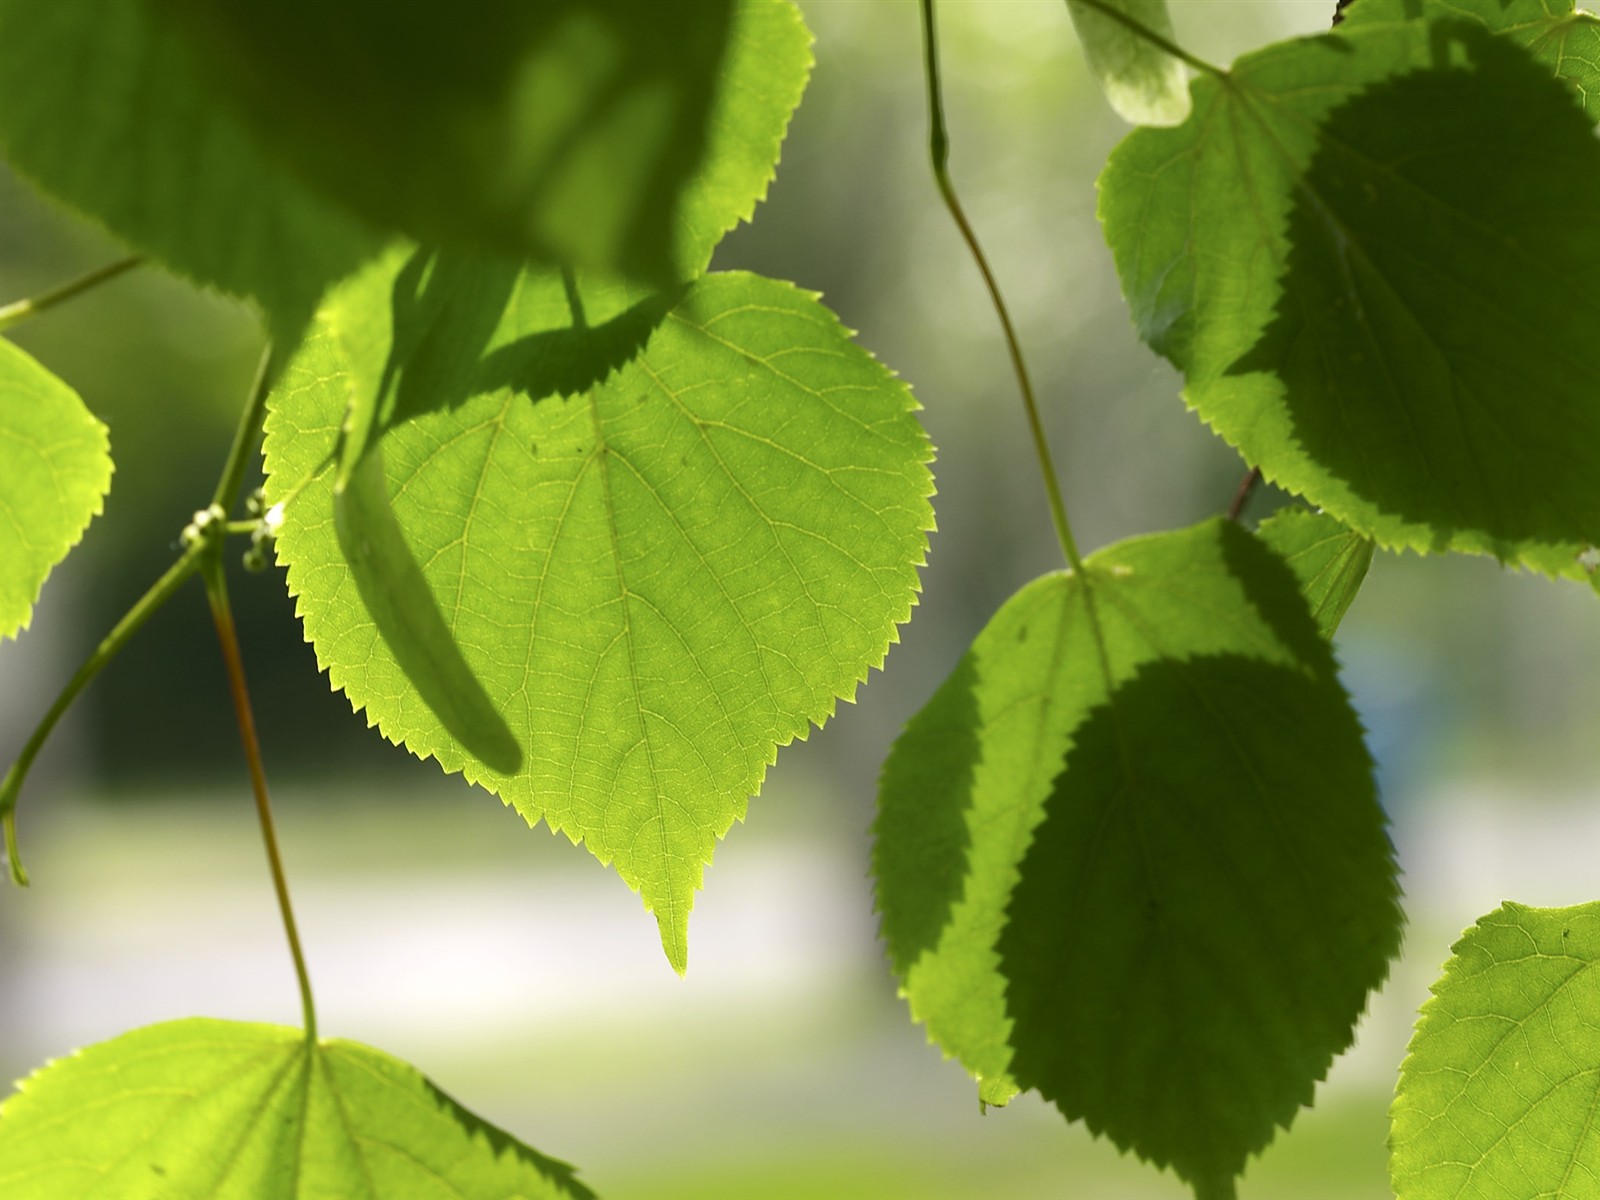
{"x":523,"y":977}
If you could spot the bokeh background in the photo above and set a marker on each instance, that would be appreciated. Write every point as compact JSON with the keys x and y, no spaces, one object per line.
{"x":526,"y":979}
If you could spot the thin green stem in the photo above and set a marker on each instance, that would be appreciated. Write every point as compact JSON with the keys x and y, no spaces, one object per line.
{"x":939,"y":149}
{"x":174,"y":578}
{"x":19,"y":311}
{"x":209,"y":525}
{"x":1144,"y":32}
{"x":228,"y":638}
{"x":246,"y":435}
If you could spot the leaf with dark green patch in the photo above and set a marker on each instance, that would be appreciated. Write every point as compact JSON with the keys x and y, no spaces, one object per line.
{"x":1131,"y":855}
{"x":1368,"y":253}
{"x":1555,"y":32}
{"x":1329,"y":560}
{"x":225,"y":1109}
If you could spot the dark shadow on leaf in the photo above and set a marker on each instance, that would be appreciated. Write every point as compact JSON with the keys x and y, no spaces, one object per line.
{"x":401,"y":605}
{"x":568,"y":362}
{"x":1274,"y":592}
{"x":1202,"y":911}
{"x":1434,"y":333}
{"x":548,"y":130}
{"x":921,"y":838}
{"x":447,"y":310}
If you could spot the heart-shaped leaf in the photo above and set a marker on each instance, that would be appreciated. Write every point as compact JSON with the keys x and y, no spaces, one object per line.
{"x":610,"y":549}
{"x":1130,"y":854}
{"x":1367,"y":251}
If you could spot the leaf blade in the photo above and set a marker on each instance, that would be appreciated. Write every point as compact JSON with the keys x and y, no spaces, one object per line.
{"x":1159,"y":637}
{"x":1329,"y":560}
{"x":1143,"y":83}
{"x":610,"y":136}
{"x":1326,"y":317}
{"x":231,"y":1109}
{"x":666,"y":534}
{"x":55,"y":471}
{"x":1498,"y":1087}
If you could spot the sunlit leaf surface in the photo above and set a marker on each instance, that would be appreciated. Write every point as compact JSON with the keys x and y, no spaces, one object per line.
{"x":236,"y":1111}
{"x":1497,"y":1097}
{"x":610,"y":549}
{"x":55,"y":469}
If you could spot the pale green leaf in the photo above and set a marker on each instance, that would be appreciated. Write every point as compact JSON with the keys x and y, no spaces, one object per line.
{"x":657,"y":535}
{"x":605,"y":134}
{"x":1329,"y":560}
{"x":1145,"y":84}
{"x":233,"y":1111}
{"x":1368,"y":252}
{"x":99,"y":105}
{"x":1130,"y":854}
{"x":1497,"y":1096}
{"x":55,"y":470}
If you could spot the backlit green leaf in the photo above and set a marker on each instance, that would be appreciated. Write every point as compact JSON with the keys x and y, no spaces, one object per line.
{"x":566,"y":132}
{"x":99,"y":105}
{"x":1368,"y":252}
{"x":224,"y":1110}
{"x":622,"y":546}
{"x":1146,"y":85}
{"x":1329,"y":560}
{"x":1130,"y":854}
{"x":55,"y":469}
{"x":1553,"y":31}
{"x":1498,"y":1094}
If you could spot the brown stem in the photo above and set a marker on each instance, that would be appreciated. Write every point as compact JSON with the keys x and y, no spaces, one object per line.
{"x":1242,"y":495}
{"x":227,"y":637}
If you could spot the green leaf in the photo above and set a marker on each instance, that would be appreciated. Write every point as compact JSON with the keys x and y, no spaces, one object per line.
{"x":99,"y":105}
{"x":227,"y":1109}
{"x":1130,"y":854}
{"x":55,"y":470}
{"x":1146,"y":85}
{"x":1367,"y":251}
{"x":1553,"y":31}
{"x":1329,"y":560}
{"x":1498,"y":1093}
{"x":658,"y":535}
{"x":573,"y":132}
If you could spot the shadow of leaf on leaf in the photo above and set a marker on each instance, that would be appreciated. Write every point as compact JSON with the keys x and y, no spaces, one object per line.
{"x":407,"y":616}
{"x":1433,"y":334}
{"x":1202,"y":911}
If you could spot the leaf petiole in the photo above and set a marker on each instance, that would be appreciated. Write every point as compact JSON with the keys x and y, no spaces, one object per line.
{"x":228,"y":639}
{"x":19,"y":311}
